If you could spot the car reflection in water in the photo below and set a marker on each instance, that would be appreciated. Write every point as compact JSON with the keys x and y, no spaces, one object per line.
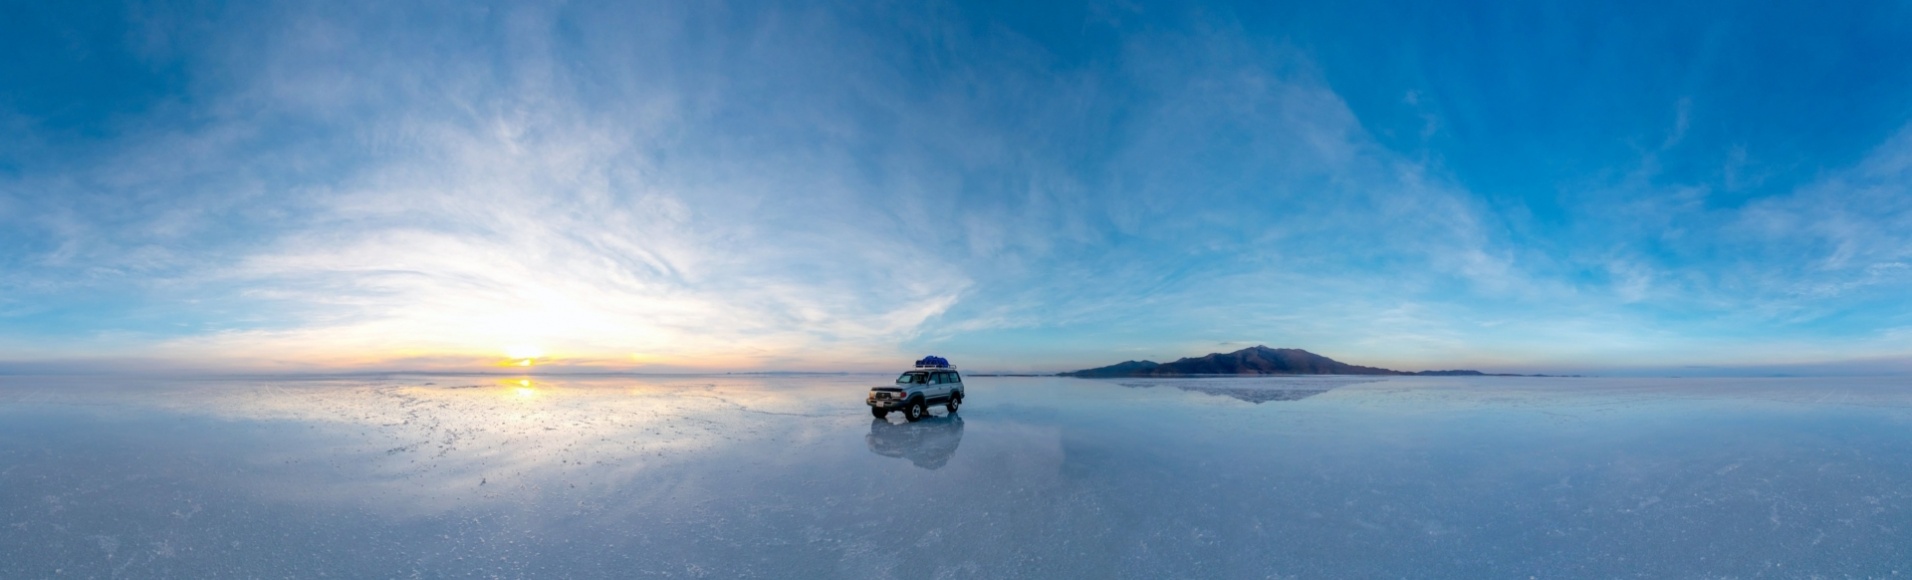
{"x":928,"y":443}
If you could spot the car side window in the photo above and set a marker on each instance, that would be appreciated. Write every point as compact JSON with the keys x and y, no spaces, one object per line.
{"x":942,"y":378}
{"x":955,"y":377}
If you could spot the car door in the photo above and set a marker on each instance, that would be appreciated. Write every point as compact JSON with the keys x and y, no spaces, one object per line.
{"x":936,"y":385}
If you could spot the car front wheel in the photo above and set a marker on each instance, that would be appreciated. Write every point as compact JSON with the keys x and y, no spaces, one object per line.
{"x":916,"y":411}
{"x":879,"y":412}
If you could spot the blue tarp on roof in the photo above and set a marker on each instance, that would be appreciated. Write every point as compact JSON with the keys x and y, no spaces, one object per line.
{"x":933,"y":361}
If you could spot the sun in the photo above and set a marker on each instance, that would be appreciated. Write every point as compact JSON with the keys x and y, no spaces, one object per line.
{"x":523,"y":355}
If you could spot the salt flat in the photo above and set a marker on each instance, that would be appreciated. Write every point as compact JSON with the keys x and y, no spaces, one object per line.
{"x":780,"y":477}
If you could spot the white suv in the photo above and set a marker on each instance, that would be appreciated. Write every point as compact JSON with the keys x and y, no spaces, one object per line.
{"x":932,"y":381}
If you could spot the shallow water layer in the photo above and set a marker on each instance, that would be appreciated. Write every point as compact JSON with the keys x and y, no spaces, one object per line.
{"x":779,"y":477}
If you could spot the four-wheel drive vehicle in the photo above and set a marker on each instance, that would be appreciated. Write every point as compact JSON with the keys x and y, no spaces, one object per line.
{"x":933,"y":381}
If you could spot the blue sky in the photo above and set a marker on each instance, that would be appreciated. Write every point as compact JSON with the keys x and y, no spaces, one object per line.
{"x":1606,"y":188}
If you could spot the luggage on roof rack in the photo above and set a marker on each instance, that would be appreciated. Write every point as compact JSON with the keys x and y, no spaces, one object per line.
{"x":933,"y":362}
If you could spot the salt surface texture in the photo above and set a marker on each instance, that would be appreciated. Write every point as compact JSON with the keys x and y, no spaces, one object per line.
{"x":1036,"y":477}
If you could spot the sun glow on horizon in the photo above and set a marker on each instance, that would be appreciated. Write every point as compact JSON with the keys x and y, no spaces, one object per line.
{"x":522,"y":355}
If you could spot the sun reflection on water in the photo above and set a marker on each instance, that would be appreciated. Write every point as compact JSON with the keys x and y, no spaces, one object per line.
{"x":523,"y":388}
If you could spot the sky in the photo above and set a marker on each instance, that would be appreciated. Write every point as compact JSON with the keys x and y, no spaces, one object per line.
{"x":1598,"y":187}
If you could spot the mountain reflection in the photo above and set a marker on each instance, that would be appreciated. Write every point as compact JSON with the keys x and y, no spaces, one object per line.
{"x":928,"y":443}
{"x":1256,"y":390}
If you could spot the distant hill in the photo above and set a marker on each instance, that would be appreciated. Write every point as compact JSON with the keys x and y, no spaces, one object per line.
{"x":1122,"y":369}
{"x":1259,"y":360}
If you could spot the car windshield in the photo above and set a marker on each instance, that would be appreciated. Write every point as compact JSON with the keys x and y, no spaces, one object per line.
{"x":912,"y":378}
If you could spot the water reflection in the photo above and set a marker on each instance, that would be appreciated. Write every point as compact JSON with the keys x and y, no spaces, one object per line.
{"x":928,"y":443}
{"x":1256,"y":390}
{"x":735,"y":477}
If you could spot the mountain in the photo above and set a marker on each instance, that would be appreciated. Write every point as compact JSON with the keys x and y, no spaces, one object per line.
{"x":1259,"y":360}
{"x":1132,"y":368}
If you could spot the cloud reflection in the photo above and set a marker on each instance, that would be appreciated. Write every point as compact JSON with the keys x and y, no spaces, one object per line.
{"x":434,"y":444}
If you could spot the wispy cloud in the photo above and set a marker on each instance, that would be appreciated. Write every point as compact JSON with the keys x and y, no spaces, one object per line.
{"x":674,"y":186}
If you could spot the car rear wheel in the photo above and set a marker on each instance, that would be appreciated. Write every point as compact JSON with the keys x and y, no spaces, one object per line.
{"x":955,"y":401}
{"x":916,"y":410}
